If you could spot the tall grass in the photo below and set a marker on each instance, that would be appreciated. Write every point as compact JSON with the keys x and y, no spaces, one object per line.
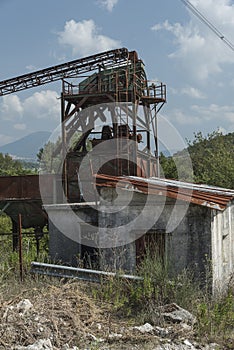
{"x":11,"y":285}
{"x":157,"y":287}
{"x":10,"y":259}
{"x":140,"y":299}
{"x":135,"y":299}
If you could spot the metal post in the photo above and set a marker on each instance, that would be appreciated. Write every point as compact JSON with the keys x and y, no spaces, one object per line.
{"x":15,"y":236}
{"x":20,"y":246}
{"x":156,"y":142}
{"x":64,"y":176}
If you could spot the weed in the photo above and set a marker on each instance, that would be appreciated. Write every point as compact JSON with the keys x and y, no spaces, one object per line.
{"x":216,"y":317}
{"x":139,"y":299}
{"x":135,"y":300}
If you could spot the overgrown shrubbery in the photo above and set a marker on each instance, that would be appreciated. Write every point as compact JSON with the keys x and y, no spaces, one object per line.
{"x":140,"y":299}
{"x":135,"y":299}
{"x":11,"y":167}
{"x":155,"y":289}
{"x":9,"y":260}
{"x":216,"y":317}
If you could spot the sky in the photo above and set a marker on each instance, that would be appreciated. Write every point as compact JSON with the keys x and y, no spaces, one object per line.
{"x":177,"y":49}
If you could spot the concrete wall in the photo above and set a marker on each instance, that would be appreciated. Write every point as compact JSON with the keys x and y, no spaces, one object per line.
{"x":187,"y":230}
{"x":61,"y":248}
{"x":70,"y":227}
{"x":222,"y":227}
{"x":116,"y":259}
{"x":121,"y":223}
{"x":188,"y":245}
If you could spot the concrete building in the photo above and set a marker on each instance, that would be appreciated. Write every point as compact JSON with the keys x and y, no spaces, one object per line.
{"x":191,"y":226}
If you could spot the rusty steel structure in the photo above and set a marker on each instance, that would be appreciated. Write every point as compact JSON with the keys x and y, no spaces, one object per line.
{"x":106,"y":99}
{"x":117,"y":76}
{"x":113,"y":98}
{"x":114,"y":77}
{"x":22,"y":194}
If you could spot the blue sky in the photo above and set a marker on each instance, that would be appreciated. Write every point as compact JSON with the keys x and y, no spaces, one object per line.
{"x":176,"y":47}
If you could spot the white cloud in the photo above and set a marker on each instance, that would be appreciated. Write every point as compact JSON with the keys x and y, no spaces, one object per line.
{"x":42,"y":105}
{"x":20,"y":116}
{"x":108,"y":4}
{"x":211,"y":116}
{"x":10,"y":107}
{"x":179,"y":116}
{"x":192,"y":92}
{"x":84,"y":38}
{"x":199,"y":51}
{"x":215,"y":112}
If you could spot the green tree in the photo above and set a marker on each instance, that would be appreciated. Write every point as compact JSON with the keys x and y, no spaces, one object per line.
{"x":50,"y":157}
{"x":212,"y":160}
{"x":169,"y":167}
{"x":11,"y":167}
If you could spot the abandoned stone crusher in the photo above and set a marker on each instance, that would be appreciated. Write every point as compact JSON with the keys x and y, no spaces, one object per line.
{"x":100,"y":189}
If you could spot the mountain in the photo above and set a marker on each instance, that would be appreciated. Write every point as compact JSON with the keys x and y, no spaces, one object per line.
{"x":27,"y":147}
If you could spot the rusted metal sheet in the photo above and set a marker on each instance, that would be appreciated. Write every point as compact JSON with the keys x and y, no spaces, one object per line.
{"x":209,"y":196}
{"x":19,"y":187}
{"x":21,"y":195}
{"x":25,"y":187}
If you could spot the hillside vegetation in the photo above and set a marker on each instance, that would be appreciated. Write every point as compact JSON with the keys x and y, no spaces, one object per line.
{"x":11,"y":167}
{"x":212,"y":158}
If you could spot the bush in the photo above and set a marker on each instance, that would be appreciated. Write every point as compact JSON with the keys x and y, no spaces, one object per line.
{"x":216,"y":317}
{"x":157,"y":288}
{"x":139,"y":299}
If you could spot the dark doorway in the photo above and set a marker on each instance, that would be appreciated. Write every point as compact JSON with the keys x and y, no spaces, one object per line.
{"x":153,"y":242}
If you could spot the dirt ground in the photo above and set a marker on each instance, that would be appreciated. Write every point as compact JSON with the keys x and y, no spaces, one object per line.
{"x":66,"y":317}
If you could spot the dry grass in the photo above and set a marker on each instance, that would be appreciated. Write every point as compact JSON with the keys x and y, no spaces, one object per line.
{"x":80,"y":314}
{"x":64,"y":314}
